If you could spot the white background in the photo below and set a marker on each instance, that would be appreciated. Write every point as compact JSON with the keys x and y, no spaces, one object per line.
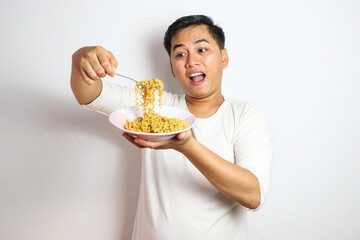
{"x":66,"y":173}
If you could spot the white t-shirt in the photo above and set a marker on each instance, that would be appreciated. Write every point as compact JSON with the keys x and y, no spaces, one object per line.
{"x":176,"y":201}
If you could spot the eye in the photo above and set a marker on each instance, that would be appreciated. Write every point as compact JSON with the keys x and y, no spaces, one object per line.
{"x":180,"y":55}
{"x":202,"y":50}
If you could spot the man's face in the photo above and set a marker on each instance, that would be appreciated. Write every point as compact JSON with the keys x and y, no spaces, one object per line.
{"x":197,"y":61}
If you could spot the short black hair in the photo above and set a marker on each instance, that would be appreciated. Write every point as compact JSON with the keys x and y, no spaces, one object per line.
{"x":186,"y":21}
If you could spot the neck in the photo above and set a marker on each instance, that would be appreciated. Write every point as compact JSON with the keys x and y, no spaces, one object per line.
{"x":204,"y":107}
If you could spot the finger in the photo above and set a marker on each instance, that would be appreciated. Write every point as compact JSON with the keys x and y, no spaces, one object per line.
{"x":88,"y":74}
{"x":113,"y":63}
{"x":146,"y":144}
{"x":153,"y":145}
{"x":131,"y":140}
{"x":96,"y":65}
{"x":106,"y":67}
{"x":141,"y":142}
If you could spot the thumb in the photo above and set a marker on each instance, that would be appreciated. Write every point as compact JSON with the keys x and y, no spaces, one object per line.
{"x":113,"y":62}
{"x":181,"y":135}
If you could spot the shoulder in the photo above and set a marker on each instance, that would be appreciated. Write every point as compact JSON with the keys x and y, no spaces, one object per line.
{"x":248,"y":116}
{"x":174,"y":100}
{"x":243,"y":109}
{"x":251,"y":123}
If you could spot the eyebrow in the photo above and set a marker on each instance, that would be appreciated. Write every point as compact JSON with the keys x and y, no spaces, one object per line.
{"x":197,"y":41}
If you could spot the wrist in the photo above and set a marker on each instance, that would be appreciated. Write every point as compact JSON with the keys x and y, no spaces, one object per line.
{"x":188,"y":145}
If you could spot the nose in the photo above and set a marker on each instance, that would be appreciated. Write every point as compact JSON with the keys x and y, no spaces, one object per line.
{"x":192,"y":60}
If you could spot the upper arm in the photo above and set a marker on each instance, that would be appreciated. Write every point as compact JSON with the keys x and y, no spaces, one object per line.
{"x":253,"y":145}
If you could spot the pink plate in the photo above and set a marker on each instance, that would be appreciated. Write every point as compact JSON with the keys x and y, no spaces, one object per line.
{"x":119,"y":117}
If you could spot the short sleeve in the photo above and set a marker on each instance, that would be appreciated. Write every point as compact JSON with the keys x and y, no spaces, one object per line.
{"x":112,"y":98}
{"x":253,"y":145}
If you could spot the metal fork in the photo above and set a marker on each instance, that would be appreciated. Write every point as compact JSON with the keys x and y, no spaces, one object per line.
{"x":126,"y":77}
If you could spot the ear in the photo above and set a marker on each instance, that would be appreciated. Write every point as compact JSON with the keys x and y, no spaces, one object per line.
{"x":225,"y":57}
{"x":172,"y":70}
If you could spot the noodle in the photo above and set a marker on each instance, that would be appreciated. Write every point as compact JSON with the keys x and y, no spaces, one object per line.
{"x":152,"y":122}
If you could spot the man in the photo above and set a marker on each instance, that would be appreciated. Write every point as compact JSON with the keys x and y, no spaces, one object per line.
{"x":199,"y":184}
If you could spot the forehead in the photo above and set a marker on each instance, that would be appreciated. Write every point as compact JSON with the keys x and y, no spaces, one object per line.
{"x":191,"y":34}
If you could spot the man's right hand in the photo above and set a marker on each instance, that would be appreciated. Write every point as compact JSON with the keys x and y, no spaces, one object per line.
{"x":94,"y":63}
{"x":89,"y":65}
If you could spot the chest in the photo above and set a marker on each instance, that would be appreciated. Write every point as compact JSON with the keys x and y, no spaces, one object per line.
{"x":217,"y":135}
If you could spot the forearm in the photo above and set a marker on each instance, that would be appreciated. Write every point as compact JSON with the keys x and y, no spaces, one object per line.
{"x":234,"y":181}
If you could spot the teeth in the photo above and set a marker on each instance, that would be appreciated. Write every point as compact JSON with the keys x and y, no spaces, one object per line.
{"x":196,"y":74}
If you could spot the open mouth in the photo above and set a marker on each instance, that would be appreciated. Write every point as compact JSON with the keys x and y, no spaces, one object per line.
{"x":197,"y":78}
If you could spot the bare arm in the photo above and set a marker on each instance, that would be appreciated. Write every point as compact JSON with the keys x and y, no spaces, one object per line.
{"x":234,"y":181}
{"x":89,"y":65}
